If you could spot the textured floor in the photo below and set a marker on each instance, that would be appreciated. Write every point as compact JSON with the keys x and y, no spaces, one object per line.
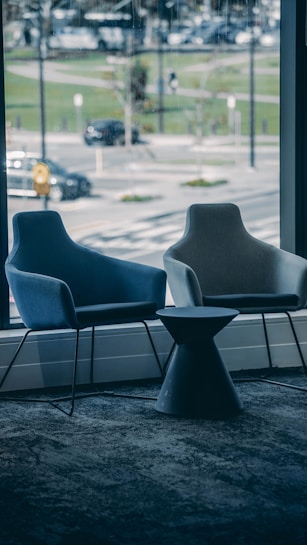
{"x":119,"y":473}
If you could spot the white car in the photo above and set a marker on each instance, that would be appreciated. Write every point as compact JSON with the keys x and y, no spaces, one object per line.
{"x":178,"y":34}
{"x":245,"y":36}
{"x":111,"y":38}
{"x":74,"y":38}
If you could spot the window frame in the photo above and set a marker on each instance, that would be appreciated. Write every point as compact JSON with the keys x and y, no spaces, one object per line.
{"x":4,"y":290}
{"x":293,"y":142}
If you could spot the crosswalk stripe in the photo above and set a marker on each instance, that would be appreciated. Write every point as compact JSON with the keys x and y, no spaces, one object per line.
{"x":158,"y":234}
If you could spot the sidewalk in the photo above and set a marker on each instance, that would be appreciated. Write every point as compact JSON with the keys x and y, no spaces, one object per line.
{"x":21,"y":135}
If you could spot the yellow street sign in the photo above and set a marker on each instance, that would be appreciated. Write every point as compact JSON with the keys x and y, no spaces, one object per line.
{"x":40,"y":175}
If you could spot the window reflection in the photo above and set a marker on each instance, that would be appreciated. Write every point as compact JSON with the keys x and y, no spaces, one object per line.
{"x":148,"y":107}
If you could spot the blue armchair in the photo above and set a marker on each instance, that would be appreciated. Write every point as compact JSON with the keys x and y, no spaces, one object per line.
{"x":59,"y":284}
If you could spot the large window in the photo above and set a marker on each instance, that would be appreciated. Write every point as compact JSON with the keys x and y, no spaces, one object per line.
{"x":140,"y":109}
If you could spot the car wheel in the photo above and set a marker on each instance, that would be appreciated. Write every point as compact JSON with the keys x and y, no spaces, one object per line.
{"x":101,"y":45}
{"x":56,"y":193}
{"x":119,"y":140}
{"x":84,"y":189}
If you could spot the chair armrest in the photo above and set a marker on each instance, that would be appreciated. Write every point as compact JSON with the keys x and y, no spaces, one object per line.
{"x":42,"y":301}
{"x":291,"y":275}
{"x":138,"y":282}
{"x":112,"y":280}
{"x":183,"y":283}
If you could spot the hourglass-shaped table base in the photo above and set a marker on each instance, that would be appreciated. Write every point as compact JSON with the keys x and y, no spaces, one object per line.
{"x":197,"y":383}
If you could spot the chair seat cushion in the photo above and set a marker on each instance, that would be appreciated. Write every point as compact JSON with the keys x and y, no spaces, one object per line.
{"x":250,"y":303}
{"x":115,"y":313}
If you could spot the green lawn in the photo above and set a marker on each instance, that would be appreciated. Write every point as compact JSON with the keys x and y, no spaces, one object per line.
{"x":22,"y":94}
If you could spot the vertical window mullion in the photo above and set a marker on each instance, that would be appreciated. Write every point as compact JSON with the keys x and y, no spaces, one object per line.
{"x":4,"y":292}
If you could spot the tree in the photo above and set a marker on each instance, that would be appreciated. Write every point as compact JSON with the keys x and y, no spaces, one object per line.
{"x":138,"y":82}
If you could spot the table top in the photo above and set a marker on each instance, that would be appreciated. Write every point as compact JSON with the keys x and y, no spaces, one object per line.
{"x":197,"y":312}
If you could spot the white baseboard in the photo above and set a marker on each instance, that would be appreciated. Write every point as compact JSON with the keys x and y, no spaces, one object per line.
{"x":124,"y":353}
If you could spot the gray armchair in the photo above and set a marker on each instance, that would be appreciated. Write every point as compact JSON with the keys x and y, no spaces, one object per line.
{"x":218,"y":263}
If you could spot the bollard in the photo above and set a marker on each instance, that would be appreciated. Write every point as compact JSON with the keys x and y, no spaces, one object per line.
{"x":64,"y":124}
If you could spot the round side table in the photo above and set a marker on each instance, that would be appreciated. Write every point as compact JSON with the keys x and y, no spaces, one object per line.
{"x":197,"y":383}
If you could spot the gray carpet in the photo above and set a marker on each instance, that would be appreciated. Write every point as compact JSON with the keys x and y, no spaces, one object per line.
{"x":119,"y":473}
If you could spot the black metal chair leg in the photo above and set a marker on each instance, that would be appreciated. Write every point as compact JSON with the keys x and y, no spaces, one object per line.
{"x":73,"y":384}
{"x":92,"y":355}
{"x":297,"y":342}
{"x":51,"y":402}
{"x":263,"y":379}
{"x":169,"y":357}
{"x":154,"y":349}
{"x":74,"y":377}
{"x":15,"y":356}
{"x":267,"y":341}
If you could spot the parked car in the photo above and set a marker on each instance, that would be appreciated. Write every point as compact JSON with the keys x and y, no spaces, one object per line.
{"x":108,"y":132}
{"x":270,"y":38}
{"x":111,"y":38}
{"x":245,"y":36}
{"x":74,"y":38}
{"x":179,"y":34}
{"x":210,"y":32}
{"x":63,"y":184}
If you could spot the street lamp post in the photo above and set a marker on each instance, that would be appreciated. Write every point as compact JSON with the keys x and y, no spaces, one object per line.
{"x":252,"y":82}
{"x":128,"y":100}
{"x":160,"y":83}
{"x":41,"y":55}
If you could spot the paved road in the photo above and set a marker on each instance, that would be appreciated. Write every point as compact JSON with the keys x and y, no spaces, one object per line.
{"x":158,"y":170}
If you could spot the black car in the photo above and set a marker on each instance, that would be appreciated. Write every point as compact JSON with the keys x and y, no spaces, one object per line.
{"x":81,"y":183}
{"x":63,"y":184}
{"x":108,"y":132}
